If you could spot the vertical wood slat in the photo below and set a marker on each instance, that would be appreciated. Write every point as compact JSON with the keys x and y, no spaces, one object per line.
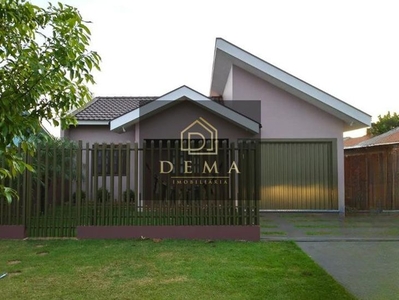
{"x":28,"y":199}
{"x":153,"y":185}
{"x":79,"y":183}
{"x":2,"y":199}
{"x":136,"y":181}
{"x":70,"y":228}
{"x":120,"y":183}
{"x":95,"y":184}
{"x":61,"y":219}
{"x":233,"y":180}
{"x":54,"y":231}
{"x":88,"y":180}
{"x":242,"y":178}
{"x":104,"y":194}
{"x":159,"y":200}
{"x":46,"y":230}
{"x":24,"y":193}
{"x":129,"y":206}
{"x":19,"y":188}
{"x":38,"y":194}
{"x":111,"y":183}
{"x":168,"y":189}
{"x":144,"y":172}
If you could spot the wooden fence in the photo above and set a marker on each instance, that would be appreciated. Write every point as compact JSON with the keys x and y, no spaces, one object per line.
{"x":372,"y":178}
{"x":114,"y":185}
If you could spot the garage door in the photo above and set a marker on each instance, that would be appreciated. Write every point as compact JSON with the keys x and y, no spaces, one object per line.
{"x":298,"y":175}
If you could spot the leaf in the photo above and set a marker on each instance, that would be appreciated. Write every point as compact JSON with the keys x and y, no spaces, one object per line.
{"x":39,"y":48}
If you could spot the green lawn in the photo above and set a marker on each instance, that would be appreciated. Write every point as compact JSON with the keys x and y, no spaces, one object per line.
{"x":168,"y":269}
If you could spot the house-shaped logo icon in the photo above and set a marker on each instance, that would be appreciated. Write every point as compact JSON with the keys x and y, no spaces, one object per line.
{"x":199,"y":138}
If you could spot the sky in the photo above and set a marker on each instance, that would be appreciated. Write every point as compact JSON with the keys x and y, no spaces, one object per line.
{"x":349,"y":49}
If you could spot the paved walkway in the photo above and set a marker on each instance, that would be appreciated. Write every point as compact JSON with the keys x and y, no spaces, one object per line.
{"x":360,"y":251}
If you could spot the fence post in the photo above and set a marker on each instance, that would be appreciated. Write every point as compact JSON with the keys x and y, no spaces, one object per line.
{"x":78,"y":191}
{"x":95,"y":183}
{"x":88,"y":177}
{"x":136,"y":181}
{"x":128,"y":196}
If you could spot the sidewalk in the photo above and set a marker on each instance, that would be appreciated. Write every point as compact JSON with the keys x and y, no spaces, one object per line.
{"x":360,"y":251}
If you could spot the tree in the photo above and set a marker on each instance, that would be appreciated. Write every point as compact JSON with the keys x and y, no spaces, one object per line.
{"x":45,"y":69}
{"x":385,"y":123}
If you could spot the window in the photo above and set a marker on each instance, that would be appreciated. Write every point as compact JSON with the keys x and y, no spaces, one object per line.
{"x":117,"y":156}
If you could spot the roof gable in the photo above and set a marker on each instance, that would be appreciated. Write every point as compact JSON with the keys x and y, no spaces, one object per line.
{"x":173,"y":97}
{"x":227,"y":54}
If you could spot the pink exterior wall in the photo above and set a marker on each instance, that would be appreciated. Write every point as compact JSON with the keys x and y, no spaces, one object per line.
{"x":286,"y":116}
{"x":98,"y":134}
{"x":101,"y":134}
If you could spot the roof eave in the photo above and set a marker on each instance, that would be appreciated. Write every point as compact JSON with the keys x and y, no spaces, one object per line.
{"x":93,"y":122}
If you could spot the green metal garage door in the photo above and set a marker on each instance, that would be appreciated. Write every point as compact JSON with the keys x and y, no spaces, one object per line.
{"x":298,"y":175}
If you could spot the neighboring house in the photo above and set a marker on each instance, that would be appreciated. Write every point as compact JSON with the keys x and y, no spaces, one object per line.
{"x":42,"y":134}
{"x":350,"y":141}
{"x":372,"y":173}
{"x":300,"y":127}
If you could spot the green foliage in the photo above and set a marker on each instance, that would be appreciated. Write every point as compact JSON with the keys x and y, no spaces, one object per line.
{"x":385,"y":123}
{"x":59,"y":154}
{"x":82,"y":196}
{"x":128,"y":196}
{"x":101,"y":192}
{"x":45,"y":69}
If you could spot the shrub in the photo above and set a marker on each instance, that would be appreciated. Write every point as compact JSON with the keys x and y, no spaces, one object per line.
{"x":100,"y":194}
{"x":82,"y":196}
{"x":128,"y":197}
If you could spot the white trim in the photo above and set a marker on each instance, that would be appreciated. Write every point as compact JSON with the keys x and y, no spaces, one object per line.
{"x":183,"y":92}
{"x":89,"y":122}
{"x":353,"y":117}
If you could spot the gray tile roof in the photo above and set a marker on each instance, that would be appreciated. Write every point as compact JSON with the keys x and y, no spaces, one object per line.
{"x":109,"y":108}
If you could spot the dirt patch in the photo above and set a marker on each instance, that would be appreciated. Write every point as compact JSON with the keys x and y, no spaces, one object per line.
{"x":13,"y":262}
{"x":166,"y":254}
{"x":14,"y":273}
{"x":144,"y":281}
{"x":39,"y":246}
{"x":42,"y":253}
{"x":175,"y":279}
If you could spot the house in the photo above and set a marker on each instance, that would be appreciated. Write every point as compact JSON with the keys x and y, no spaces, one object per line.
{"x":372,"y":173}
{"x":299,"y":129}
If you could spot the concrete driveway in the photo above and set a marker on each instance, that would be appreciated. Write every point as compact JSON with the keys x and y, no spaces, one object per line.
{"x":360,"y":251}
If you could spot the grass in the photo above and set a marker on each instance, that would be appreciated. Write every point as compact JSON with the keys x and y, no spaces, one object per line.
{"x":318,"y":226}
{"x":268,"y":226}
{"x":273,"y":233}
{"x":320,"y":233}
{"x":169,"y":269}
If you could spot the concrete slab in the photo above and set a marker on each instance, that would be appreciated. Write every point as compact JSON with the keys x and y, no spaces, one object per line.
{"x":369,"y":270}
{"x":360,"y":251}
